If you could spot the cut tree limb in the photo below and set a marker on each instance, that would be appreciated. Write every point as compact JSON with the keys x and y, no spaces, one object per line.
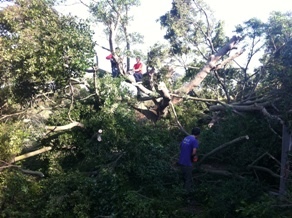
{"x":223,"y":146}
{"x":223,"y":172}
{"x":246,"y":108}
{"x":30,"y":154}
{"x":186,"y":97}
{"x":241,"y":108}
{"x":265,"y":170}
{"x":65,"y":127}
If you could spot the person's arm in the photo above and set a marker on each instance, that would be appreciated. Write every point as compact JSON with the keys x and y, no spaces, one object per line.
{"x":140,"y":67}
{"x":109,"y":57}
{"x":194,"y":151}
{"x":194,"y":155}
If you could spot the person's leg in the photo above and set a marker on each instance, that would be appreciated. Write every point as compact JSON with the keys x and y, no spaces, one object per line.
{"x":138,"y":77}
{"x":115,"y":72}
{"x":135,"y":76}
{"x":187,"y":178}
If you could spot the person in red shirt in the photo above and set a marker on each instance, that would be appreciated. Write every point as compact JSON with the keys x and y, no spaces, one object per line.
{"x":138,"y":70}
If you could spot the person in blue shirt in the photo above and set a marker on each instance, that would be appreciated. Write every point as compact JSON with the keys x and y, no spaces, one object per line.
{"x":188,"y":155}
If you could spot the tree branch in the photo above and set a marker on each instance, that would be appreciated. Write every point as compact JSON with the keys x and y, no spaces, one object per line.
{"x":243,"y":108}
{"x":65,"y":127}
{"x":177,"y":121}
{"x":229,"y":59}
{"x":29,"y":172}
{"x":265,"y":170}
{"x":11,"y":115}
{"x":246,"y":108}
{"x":186,"y":97}
{"x":31,"y":154}
{"x":222,"y":85}
{"x":222,"y":172}
{"x":223,"y":146}
{"x":211,"y":64}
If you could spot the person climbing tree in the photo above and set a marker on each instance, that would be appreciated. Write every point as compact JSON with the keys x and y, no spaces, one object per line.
{"x":188,"y":155}
{"x":114,"y":64}
{"x":138,"y":69}
{"x":147,"y":78}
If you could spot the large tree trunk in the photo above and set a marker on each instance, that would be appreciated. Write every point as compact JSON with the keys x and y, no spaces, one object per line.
{"x":212,"y":64}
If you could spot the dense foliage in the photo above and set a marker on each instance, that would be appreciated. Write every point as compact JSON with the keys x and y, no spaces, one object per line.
{"x":38,"y":47}
{"x":114,"y":162}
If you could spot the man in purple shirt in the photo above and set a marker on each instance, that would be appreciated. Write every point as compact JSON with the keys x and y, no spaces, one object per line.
{"x":188,"y":155}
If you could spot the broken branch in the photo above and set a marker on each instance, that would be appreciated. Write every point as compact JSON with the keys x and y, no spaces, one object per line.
{"x":223,"y":146}
{"x":65,"y":127}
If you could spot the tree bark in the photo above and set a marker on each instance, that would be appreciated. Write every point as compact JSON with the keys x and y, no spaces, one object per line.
{"x":31,"y":154}
{"x":65,"y":127}
{"x":211,"y":64}
{"x":241,"y":108}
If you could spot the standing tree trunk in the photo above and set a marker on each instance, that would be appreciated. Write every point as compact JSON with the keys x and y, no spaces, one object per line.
{"x":286,"y":147}
{"x":128,"y":58}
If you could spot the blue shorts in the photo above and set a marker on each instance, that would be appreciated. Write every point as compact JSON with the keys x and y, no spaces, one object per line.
{"x":138,"y":77}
